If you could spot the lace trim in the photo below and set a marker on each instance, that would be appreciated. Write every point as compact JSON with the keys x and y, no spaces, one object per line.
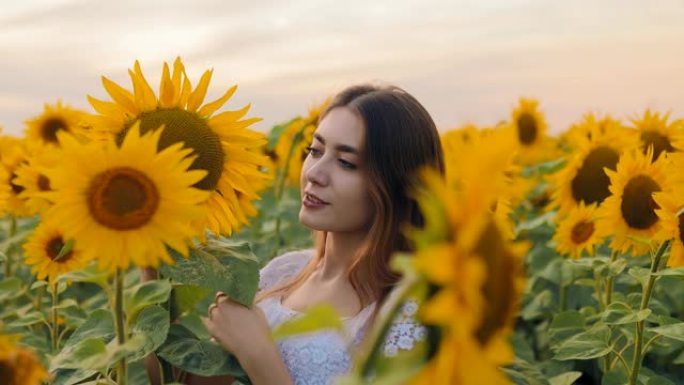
{"x":405,"y":331}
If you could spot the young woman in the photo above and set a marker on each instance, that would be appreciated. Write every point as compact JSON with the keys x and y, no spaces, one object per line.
{"x":355,"y":187}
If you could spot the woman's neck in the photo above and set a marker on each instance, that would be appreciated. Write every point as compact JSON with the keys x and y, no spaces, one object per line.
{"x":340,"y":249}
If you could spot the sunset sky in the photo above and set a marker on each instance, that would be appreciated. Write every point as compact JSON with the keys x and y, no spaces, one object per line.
{"x":465,"y":60}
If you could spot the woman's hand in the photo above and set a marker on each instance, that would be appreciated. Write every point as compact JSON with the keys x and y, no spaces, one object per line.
{"x":245,"y":333}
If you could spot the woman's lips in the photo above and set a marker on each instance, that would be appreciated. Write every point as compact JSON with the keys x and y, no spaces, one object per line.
{"x":311,"y":201}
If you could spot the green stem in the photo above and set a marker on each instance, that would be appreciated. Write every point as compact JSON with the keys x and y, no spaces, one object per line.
{"x":54,"y":330}
{"x":10,"y":249}
{"x":611,"y":278}
{"x":120,"y":325}
{"x":645,"y":298}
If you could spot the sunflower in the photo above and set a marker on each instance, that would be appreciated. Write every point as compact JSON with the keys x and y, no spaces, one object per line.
{"x":296,"y":137}
{"x":584,"y":179}
{"x":32,"y":178}
{"x":42,"y":130}
{"x":630,"y":212}
{"x":529,"y":128}
{"x":43,"y":248}
{"x":13,"y":156}
{"x":670,"y":210}
{"x":125,"y":204}
{"x":229,"y":152}
{"x":463,"y":252}
{"x":577,"y":232}
{"x":655,"y":131}
{"x":589,"y":128}
{"x":19,"y":366}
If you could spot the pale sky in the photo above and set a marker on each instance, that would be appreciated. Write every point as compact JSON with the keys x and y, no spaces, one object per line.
{"x":465,"y":60}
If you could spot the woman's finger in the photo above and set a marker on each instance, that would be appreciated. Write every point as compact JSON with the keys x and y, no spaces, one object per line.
{"x":219,"y":295}
{"x":211,"y":308}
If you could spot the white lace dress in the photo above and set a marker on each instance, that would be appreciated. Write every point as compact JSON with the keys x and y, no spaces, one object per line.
{"x":318,"y":358}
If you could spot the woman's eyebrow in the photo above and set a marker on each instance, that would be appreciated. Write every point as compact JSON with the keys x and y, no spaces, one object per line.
{"x":339,"y":147}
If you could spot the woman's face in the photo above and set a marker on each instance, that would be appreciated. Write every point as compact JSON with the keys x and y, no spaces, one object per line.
{"x":334,"y":190}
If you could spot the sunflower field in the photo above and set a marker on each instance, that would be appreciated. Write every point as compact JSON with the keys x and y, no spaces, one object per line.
{"x":543,"y":260}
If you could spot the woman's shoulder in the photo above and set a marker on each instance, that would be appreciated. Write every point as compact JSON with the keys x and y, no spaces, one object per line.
{"x":283,"y":267}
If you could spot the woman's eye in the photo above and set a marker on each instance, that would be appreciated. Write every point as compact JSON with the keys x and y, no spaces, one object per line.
{"x":348,"y":165}
{"x":313,"y":151}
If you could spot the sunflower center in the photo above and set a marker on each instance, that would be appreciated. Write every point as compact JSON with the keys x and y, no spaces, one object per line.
{"x":6,"y":372}
{"x":122,"y":198}
{"x":527,"y":129}
{"x":499,"y":288}
{"x":591,"y":184}
{"x":581,"y":232}
{"x":638,"y":206}
{"x":44,"y":183}
{"x":17,"y":189}
{"x":51,"y":127}
{"x":189,"y":128}
{"x":54,"y":246}
{"x":659,"y":142}
{"x":681,"y":227}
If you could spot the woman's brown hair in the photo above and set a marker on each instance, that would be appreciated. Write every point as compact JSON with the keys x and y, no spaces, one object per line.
{"x":401,"y":138}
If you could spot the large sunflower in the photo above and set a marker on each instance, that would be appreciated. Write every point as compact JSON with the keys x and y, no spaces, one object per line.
{"x":630,"y":212}
{"x":19,"y":366}
{"x":125,"y":204}
{"x":225,"y":147}
{"x":584,"y":179}
{"x":32,"y":178}
{"x":43,"y":129}
{"x":655,"y":131}
{"x":577,"y":232}
{"x":293,"y":142}
{"x":670,"y":210}
{"x":477,"y":272}
{"x":43,"y":248}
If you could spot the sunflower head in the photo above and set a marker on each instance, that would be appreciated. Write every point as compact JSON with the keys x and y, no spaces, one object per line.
{"x":670,"y":213}
{"x":43,"y":129}
{"x":577,"y":232}
{"x":132,"y":196}
{"x":50,"y":254}
{"x":230,"y":154}
{"x":19,"y":366}
{"x":630,"y":212}
{"x":584,"y":179}
{"x":32,"y":177}
{"x":655,"y":132}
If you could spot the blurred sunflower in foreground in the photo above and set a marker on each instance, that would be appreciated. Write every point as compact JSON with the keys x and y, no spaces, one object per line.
{"x":19,"y":366}
{"x":670,"y":205}
{"x":229,"y":152}
{"x":476,"y":273}
{"x":132,"y":198}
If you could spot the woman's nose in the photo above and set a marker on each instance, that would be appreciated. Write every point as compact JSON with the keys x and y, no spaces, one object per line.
{"x":317,"y":172}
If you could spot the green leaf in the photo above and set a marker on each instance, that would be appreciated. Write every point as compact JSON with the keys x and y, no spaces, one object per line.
{"x":71,"y":376}
{"x":183,"y":350}
{"x":10,"y":288}
{"x":672,"y":272}
{"x":89,"y":353}
{"x":145,"y":294}
{"x":316,"y":318}
{"x":148,"y":331}
{"x":277,"y":131}
{"x":188,"y":296}
{"x":219,"y":265}
{"x":98,"y":325}
{"x":673,"y":331}
{"x":567,"y":378}
{"x":539,"y":305}
{"x":90,"y":274}
{"x":641,"y":274}
{"x":66,"y":249}
{"x":534,"y":222}
{"x":616,"y":376}
{"x":566,"y":325}
{"x":30,"y":318}
{"x":620,"y":313}
{"x":592,"y":343}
